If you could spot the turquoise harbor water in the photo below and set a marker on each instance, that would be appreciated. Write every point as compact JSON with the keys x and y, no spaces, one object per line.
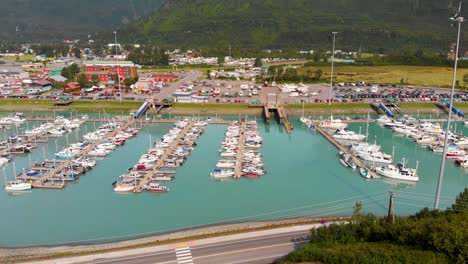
{"x":304,"y":178}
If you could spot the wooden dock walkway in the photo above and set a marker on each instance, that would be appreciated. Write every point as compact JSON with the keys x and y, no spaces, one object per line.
{"x":160,"y":162}
{"x":51,"y":175}
{"x":342,"y":148}
{"x":240,"y":150}
{"x":281,"y":114}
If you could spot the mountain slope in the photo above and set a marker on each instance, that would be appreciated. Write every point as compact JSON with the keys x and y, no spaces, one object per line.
{"x":55,"y":19}
{"x":368,"y":24}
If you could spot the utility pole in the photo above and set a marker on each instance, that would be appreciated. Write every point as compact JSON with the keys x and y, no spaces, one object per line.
{"x":332,"y":67}
{"x":391,"y":210}
{"x":456,"y":19}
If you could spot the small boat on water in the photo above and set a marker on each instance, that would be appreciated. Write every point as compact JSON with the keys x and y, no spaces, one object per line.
{"x":85,"y":162}
{"x":348,"y":135}
{"x":17,"y":185}
{"x":364,"y":173}
{"x":32,"y":173}
{"x":333,"y":124}
{"x":156,"y":187}
{"x":4,"y":161}
{"x":222,"y":173}
{"x":455,"y":153}
{"x":462,"y":162}
{"x":124,"y":186}
{"x":347,"y":160}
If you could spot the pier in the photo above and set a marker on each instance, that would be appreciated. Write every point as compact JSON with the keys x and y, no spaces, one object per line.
{"x":50,"y":179}
{"x":240,"y":150}
{"x":342,"y":148}
{"x":160,"y":162}
{"x":272,"y":106}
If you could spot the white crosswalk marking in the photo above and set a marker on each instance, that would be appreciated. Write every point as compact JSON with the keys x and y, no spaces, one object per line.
{"x":184,"y":255}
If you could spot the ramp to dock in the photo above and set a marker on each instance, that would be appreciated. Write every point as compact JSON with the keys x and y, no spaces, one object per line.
{"x":142,"y":110}
{"x":386,"y":110}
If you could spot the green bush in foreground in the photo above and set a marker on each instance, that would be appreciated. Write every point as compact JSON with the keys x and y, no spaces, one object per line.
{"x":427,"y":237}
{"x":365,"y":252}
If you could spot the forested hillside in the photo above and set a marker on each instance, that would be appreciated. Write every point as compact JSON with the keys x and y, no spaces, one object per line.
{"x":57,"y":19}
{"x":368,"y":24}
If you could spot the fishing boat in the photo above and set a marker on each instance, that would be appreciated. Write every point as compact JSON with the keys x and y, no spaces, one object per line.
{"x":17,"y":185}
{"x":399,"y":172}
{"x":364,"y":173}
{"x":156,"y":187}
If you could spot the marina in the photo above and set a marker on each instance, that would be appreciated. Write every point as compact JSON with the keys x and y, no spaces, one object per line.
{"x":303,"y":166}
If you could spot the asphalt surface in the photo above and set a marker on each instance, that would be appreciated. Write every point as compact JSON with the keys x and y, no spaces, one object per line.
{"x":167,"y":91}
{"x":264,"y":249}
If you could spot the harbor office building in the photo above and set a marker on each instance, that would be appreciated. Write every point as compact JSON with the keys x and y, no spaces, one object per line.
{"x":108,"y":70}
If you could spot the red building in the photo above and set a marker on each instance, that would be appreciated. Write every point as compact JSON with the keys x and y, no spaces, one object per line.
{"x":72,"y":87}
{"x":107,"y":70}
{"x":164,"y":78}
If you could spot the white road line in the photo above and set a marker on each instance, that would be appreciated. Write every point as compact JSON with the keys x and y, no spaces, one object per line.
{"x":184,"y":255}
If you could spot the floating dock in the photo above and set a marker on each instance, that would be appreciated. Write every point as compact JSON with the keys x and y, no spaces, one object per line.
{"x":342,"y":148}
{"x":160,"y":162}
{"x":240,"y":150}
{"x":49,"y":179}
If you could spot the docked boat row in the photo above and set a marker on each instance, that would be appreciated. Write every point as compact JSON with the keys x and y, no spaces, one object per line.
{"x":432,"y":136}
{"x":240,"y":153}
{"x":58,"y":127}
{"x":168,"y":153}
{"x":17,"y":119}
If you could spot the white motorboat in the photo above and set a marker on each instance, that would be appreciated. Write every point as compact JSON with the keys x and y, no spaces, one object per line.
{"x":344,"y":134}
{"x":425,"y":140}
{"x":377,"y":157}
{"x":222,"y":174}
{"x":17,"y":185}
{"x":455,"y":153}
{"x":84,"y":162}
{"x":226,"y":164}
{"x":364,"y":146}
{"x":399,"y":172}
{"x":4,"y":161}
{"x":124,"y":186}
{"x":107,"y":146}
{"x":347,"y":160}
{"x":333,"y":124}
{"x":383,"y":119}
{"x":98,"y":152}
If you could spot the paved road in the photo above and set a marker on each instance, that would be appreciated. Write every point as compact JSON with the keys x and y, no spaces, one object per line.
{"x":264,"y":249}
{"x":169,"y":90}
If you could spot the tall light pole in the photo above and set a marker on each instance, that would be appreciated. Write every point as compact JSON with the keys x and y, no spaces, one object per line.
{"x":118,"y":69}
{"x":332,"y":67}
{"x":458,"y":20}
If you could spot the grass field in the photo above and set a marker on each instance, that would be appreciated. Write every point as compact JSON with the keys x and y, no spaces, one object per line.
{"x":414,"y":75}
{"x":24,"y":57}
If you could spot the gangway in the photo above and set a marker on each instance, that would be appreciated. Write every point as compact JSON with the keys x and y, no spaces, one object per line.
{"x":397,"y":109}
{"x":386,"y":110}
{"x":453,"y":108}
{"x":142,"y":110}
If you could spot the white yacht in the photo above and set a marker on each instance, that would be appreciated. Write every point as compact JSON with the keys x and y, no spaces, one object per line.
{"x":333,"y":124}
{"x":377,"y":157}
{"x":348,"y":135}
{"x":226,"y":164}
{"x":398,"y":172}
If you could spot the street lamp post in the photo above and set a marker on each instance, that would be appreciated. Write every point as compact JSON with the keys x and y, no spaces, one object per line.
{"x":332,"y":67}
{"x":458,"y":20}
{"x":118,"y":69}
